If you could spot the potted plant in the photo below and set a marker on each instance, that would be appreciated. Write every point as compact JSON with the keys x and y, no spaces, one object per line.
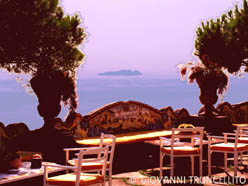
{"x":51,"y":89}
{"x":211,"y":80}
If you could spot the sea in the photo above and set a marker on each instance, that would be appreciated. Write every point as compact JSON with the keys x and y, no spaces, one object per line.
{"x":18,"y":104}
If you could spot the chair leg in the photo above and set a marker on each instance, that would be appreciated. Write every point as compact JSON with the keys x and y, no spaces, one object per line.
{"x":241,"y":157}
{"x":225,"y":161}
{"x":172,"y":166}
{"x":200,"y":164}
{"x":161,"y":165}
{"x":192,"y":165}
{"x":110,"y":177}
{"x":66,"y":160}
{"x":235,"y":163}
{"x":209,"y":162}
{"x":45,"y":176}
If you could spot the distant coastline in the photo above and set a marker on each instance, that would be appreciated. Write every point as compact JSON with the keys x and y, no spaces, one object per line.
{"x":121,"y":73}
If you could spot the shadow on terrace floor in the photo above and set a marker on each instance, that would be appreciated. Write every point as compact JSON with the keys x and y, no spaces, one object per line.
{"x":150,"y":177}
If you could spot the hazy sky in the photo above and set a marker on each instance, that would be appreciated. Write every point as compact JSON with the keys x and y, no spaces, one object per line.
{"x":152,"y":36}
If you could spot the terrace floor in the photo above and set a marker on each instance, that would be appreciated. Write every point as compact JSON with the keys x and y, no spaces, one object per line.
{"x":150,"y":177}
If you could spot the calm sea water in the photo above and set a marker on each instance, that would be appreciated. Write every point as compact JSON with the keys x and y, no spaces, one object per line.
{"x":19,"y":106}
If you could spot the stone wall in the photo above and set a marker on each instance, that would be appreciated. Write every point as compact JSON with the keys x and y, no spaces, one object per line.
{"x":8,"y":133}
{"x":121,"y":117}
{"x":236,"y":113}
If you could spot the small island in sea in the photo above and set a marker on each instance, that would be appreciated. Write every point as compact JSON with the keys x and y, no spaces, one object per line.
{"x":121,"y":73}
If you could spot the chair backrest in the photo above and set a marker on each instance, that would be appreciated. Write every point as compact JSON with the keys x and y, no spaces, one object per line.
{"x":194,"y":134}
{"x":242,"y":131}
{"x":103,"y":151}
{"x":108,"y":140}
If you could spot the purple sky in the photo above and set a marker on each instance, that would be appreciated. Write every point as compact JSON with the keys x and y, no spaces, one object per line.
{"x":151,"y":36}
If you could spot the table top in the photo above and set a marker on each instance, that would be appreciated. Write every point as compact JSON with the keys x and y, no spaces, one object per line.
{"x":24,"y":172}
{"x":130,"y":137}
{"x":168,"y":143}
{"x":240,"y":124}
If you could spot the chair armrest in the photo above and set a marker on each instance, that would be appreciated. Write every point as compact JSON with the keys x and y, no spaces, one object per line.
{"x":58,"y":166}
{"x":168,"y":142}
{"x":231,"y":134}
{"x":164,"y":138}
{"x":168,"y":139}
{"x":212,"y":138}
{"x":78,"y":149}
{"x":244,"y":135}
{"x":222,"y":138}
{"x":219,"y":137}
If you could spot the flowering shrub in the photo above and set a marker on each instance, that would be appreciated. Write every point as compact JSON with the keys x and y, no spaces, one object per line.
{"x":204,"y":71}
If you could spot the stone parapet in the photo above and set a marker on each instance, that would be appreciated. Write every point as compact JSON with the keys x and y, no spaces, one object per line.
{"x":121,"y":117}
{"x":236,"y":113}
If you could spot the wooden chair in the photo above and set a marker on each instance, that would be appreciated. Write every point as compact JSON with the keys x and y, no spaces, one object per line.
{"x":78,"y":178}
{"x":105,"y":140}
{"x":174,"y":148}
{"x":243,"y":138}
{"x":234,"y":145}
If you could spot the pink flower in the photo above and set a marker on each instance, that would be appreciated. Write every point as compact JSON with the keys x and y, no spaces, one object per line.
{"x":183,"y":71}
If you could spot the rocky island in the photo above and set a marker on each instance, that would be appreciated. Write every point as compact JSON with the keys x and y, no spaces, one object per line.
{"x":121,"y":73}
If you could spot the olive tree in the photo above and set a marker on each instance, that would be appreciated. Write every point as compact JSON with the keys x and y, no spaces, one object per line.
{"x":36,"y":38}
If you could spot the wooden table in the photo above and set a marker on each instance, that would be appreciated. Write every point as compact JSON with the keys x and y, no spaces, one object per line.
{"x":204,"y":142}
{"x":25,"y":173}
{"x":240,"y":124}
{"x":128,"y":138}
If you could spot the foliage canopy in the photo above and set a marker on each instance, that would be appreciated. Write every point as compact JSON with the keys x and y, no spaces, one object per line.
{"x":224,"y":40}
{"x":36,"y":37}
